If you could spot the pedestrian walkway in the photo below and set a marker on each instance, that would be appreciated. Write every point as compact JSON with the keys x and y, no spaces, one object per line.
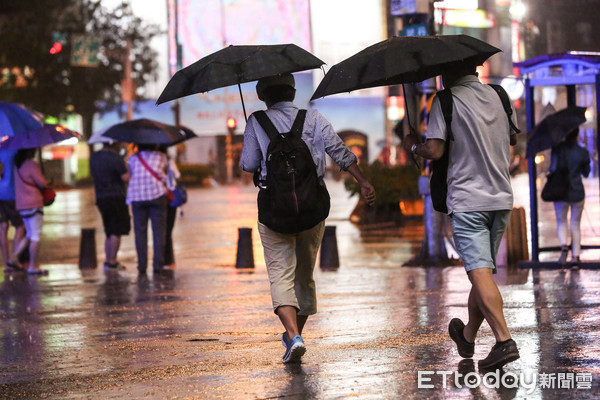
{"x":208,"y":332}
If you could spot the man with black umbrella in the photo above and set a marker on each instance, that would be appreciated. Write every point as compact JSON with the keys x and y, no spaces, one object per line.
{"x":479,"y":199}
{"x":290,"y":256}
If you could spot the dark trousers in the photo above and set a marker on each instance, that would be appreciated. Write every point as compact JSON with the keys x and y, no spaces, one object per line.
{"x":156,"y":211}
{"x":169,"y":256}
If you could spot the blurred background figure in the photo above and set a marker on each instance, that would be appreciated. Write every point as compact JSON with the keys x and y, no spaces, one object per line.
{"x":173,"y":175}
{"x":110,"y":175}
{"x":29,"y":182}
{"x":8,"y":212}
{"x":146,"y":195}
{"x":576,"y":159}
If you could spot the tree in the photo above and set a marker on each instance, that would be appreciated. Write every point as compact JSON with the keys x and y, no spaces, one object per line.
{"x":49,"y":82}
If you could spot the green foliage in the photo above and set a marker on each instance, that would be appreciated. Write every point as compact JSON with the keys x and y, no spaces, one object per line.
{"x":194,"y":174}
{"x":49,"y":83}
{"x":391,"y":184}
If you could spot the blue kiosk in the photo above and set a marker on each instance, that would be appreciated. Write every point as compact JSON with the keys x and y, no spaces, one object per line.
{"x":579,"y":73}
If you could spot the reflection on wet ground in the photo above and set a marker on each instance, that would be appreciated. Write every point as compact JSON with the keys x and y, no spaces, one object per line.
{"x":208,"y":332}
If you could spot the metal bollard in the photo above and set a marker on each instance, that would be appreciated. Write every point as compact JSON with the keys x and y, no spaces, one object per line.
{"x":245,"y":252}
{"x":329,"y":251}
{"x":87,"y":249}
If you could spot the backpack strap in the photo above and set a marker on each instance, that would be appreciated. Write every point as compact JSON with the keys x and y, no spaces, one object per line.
{"x":266,"y":124}
{"x":446,"y":103}
{"x":298,"y":122}
{"x":506,"y":104}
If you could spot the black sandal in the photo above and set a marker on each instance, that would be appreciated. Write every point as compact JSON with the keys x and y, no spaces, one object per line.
{"x":15,"y":266}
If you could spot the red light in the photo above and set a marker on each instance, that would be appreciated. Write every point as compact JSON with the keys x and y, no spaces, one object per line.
{"x":56,"y":48}
{"x":231,"y":122}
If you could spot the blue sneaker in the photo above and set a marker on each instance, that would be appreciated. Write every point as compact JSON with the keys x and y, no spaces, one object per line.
{"x":284,"y":339}
{"x":295,"y":349}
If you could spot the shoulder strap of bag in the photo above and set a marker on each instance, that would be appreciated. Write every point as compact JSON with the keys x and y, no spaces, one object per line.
{"x":506,"y":104}
{"x":145,"y":164}
{"x":266,"y":124}
{"x":298,"y":122}
{"x":446,"y":103}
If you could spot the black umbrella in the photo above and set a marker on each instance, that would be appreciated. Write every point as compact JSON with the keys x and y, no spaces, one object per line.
{"x":147,"y":131}
{"x":406,"y":59}
{"x":234,"y":65}
{"x":554,"y":129}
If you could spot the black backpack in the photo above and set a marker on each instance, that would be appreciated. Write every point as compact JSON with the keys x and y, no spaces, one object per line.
{"x":438,"y":183}
{"x":294,"y":198}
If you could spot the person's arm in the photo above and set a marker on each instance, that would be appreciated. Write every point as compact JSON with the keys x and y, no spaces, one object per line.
{"x":432,"y":149}
{"x":366,"y":189}
{"x":251,"y":153}
{"x":37,"y":176}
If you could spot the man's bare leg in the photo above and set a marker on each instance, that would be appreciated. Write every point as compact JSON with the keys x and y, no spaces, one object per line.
{"x":486,"y":296}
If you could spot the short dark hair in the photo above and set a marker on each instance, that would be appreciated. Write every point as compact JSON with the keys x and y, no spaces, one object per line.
{"x":278,"y":93}
{"x":22,"y":155}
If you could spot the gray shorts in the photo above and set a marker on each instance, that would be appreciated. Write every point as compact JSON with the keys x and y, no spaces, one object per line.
{"x":477,"y":236}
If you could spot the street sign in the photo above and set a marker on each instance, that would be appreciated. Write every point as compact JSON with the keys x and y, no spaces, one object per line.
{"x":84,"y":50}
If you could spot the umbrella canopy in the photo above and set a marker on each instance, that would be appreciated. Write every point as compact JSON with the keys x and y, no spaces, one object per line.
{"x":406,"y":59}
{"x":554,"y":129}
{"x":47,"y":134}
{"x":16,"y":118}
{"x":234,"y":65}
{"x":98,"y":137}
{"x":147,"y":131}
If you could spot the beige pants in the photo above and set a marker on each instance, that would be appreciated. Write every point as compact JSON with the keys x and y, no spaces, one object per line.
{"x":290,"y":263}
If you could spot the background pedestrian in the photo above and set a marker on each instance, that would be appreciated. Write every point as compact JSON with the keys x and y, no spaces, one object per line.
{"x":576,"y":159}
{"x":146,"y":195}
{"x":29,"y":182}
{"x":8,"y":212}
{"x":110,"y":175}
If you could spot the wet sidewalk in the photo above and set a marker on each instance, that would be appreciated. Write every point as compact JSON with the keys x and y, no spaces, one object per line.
{"x":208,"y":332}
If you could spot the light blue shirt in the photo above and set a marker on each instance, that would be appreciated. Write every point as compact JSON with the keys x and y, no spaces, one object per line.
{"x":317,"y":133}
{"x":7,"y":183}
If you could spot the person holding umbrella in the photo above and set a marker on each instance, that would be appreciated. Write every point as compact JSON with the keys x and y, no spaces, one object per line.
{"x":576,"y":160}
{"x":29,"y":182}
{"x":290,"y":257}
{"x":479,"y":199}
{"x":146,"y":194}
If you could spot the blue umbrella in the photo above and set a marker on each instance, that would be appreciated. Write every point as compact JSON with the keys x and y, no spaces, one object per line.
{"x":39,"y":137}
{"x":16,"y":119}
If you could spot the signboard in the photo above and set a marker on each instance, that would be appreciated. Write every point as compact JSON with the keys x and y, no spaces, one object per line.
{"x":414,"y":30}
{"x":403,"y":7}
{"x":464,"y":18}
{"x":84,"y":50}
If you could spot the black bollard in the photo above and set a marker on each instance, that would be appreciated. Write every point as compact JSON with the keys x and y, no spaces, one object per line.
{"x":329,"y":251}
{"x":245,"y":253}
{"x":87,"y":249}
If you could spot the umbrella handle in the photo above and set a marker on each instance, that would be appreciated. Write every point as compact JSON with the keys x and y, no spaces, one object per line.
{"x":243,"y":106}
{"x":410,"y":129}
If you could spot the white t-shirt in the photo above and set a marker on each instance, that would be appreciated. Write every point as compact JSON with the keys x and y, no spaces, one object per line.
{"x":478,"y":170}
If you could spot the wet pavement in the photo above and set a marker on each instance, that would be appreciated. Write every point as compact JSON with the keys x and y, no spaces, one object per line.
{"x":208,"y":331}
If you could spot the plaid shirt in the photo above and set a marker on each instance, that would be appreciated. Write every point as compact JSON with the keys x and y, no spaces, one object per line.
{"x":142,"y":184}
